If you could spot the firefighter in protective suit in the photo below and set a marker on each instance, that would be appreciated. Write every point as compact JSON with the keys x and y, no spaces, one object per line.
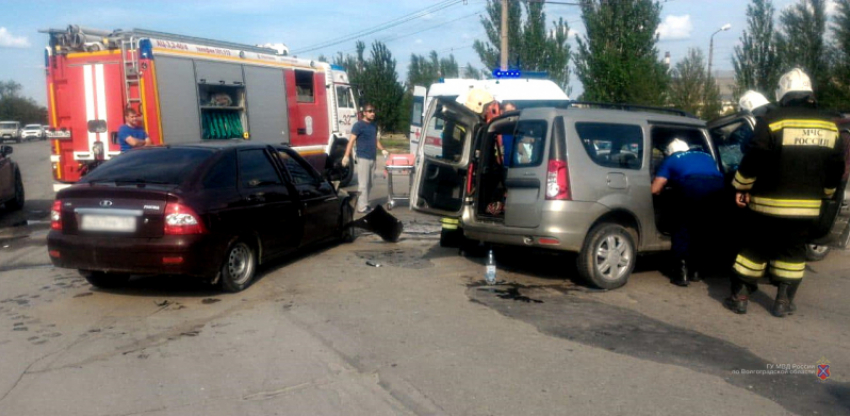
{"x":793,"y":163}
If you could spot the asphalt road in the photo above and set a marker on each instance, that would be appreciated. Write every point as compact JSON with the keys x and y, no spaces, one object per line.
{"x":324,"y":333}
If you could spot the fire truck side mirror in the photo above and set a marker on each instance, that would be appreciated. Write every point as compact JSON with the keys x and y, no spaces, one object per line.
{"x":96,"y":126}
{"x":113,"y":137}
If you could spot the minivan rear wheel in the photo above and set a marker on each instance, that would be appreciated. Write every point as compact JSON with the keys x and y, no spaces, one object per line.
{"x":240,"y":264}
{"x":607,"y":257}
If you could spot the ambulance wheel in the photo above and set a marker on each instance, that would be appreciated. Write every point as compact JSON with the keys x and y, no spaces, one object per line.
{"x":815,"y":252}
{"x":608,"y":256}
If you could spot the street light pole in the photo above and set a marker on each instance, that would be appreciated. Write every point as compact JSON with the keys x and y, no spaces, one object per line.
{"x":504,"y":37}
{"x":711,"y":45}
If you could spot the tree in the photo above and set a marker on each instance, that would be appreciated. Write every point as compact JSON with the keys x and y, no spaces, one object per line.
{"x":377,"y":79}
{"x":840,"y":80}
{"x":756,"y":59}
{"x":801,"y":41}
{"x":426,"y":71}
{"x":530,"y":46}
{"x":617,"y":60}
{"x":471,"y":72}
{"x":15,"y":107}
{"x":692,"y":89}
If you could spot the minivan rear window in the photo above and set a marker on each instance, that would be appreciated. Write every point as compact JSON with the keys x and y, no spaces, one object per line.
{"x":156,"y":165}
{"x":612,"y":145}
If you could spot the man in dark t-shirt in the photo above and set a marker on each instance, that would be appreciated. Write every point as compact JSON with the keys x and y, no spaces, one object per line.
{"x":132,"y":134}
{"x":365,"y":134}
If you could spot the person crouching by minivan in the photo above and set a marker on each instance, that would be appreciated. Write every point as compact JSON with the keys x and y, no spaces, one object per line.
{"x":697,"y":185}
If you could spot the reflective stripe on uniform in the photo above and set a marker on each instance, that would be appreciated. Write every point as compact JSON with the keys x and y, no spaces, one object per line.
{"x":742,"y":183}
{"x":787,"y":270}
{"x":450,"y":223}
{"x":747,"y":267}
{"x":828,"y":192}
{"x":786,"y":207}
{"x":804,"y":124}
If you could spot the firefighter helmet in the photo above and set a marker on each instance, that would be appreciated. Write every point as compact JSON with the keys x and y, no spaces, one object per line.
{"x":794,"y":80}
{"x":677,"y":145}
{"x":752,"y":100}
{"x":477,"y":99}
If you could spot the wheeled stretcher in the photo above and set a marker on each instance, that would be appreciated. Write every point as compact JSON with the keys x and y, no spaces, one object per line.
{"x":400,"y":164}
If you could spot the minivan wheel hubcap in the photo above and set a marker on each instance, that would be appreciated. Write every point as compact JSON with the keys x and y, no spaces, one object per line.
{"x":239,"y":264}
{"x":613,"y":257}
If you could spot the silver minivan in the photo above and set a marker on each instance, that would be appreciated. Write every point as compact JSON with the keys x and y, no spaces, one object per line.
{"x":574,"y":177}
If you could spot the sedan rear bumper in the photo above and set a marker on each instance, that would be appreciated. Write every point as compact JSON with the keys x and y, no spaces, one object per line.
{"x":193,"y":255}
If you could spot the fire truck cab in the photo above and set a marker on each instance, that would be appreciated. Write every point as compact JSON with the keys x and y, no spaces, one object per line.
{"x":188,"y":90}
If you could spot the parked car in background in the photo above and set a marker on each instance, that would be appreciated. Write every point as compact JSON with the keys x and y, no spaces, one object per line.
{"x":11,"y":183}
{"x":214,"y":210}
{"x":32,"y":131}
{"x":10,"y":130}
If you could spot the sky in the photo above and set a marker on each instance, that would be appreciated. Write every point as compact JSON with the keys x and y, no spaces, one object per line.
{"x":447,"y":27}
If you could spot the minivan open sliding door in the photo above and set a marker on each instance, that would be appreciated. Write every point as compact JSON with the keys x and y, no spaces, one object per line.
{"x":442,"y":160}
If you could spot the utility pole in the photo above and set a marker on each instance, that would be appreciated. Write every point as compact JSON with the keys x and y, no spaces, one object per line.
{"x":504,"y":52}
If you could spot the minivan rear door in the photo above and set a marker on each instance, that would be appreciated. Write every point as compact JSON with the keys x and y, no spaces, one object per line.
{"x":526,"y":178}
{"x":442,"y":160}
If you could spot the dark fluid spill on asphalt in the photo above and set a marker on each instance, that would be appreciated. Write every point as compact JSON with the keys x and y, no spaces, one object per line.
{"x":627,"y":332}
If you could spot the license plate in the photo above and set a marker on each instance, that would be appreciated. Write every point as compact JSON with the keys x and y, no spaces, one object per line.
{"x":108,"y":223}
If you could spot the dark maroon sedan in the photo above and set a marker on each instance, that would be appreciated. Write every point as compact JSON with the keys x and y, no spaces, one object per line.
{"x":212,"y":210}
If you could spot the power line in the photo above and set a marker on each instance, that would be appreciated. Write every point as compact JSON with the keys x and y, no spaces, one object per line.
{"x":391,"y":39}
{"x":383,"y":26}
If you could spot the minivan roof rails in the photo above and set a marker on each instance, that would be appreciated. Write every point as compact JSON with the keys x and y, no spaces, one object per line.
{"x":630,"y":107}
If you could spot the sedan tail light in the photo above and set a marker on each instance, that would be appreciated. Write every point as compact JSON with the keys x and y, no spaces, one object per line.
{"x":182,"y":220}
{"x":56,"y":215}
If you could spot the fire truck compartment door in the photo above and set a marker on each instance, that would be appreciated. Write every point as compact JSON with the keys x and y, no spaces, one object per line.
{"x":178,"y":100}
{"x":218,"y":73}
{"x":268,"y":120}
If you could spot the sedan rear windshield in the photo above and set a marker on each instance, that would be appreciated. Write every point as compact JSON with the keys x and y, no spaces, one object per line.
{"x":154,"y":166}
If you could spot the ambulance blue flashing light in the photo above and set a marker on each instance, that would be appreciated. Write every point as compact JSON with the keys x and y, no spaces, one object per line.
{"x":145,"y":49}
{"x":510,"y":73}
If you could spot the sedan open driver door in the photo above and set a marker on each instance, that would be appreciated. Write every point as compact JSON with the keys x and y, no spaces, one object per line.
{"x":442,"y":160}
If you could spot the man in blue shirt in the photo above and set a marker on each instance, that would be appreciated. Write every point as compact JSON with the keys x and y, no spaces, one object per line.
{"x":365,"y":134}
{"x":132,"y":134}
{"x":698,"y":185}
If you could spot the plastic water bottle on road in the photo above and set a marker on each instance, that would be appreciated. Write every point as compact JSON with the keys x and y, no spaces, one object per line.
{"x":490,"y":271}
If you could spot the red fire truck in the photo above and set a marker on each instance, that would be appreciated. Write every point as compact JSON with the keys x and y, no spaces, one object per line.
{"x":188,"y":89}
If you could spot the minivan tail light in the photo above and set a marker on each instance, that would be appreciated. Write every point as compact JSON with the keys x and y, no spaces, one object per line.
{"x":182,"y":220}
{"x":557,"y":181}
{"x":56,"y":215}
{"x":558,"y":173}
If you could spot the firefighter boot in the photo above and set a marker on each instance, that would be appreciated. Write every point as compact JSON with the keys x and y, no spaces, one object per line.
{"x":680,"y":273}
{"x":784,"y":297}
{"x":740,"y":297}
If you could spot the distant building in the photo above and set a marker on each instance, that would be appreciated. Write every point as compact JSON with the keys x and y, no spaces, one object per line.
{"x":726,"y":81}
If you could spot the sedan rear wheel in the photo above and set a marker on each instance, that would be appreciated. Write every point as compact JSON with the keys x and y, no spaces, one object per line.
{"x":240,"y":264}
{"x":608,"y":256}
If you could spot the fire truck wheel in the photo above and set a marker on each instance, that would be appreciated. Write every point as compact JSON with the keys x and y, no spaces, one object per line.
{"x":105,"y":280}
{"x":18,"y":202}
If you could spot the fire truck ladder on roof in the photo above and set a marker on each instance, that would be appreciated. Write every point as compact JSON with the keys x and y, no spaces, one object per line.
{"x":132,"y":73}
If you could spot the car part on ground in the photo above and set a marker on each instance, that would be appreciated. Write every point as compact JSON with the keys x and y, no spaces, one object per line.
{"x":382,"y":223}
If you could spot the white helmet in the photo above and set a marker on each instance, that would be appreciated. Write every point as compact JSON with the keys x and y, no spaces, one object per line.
{"x":752,"y":100}
{"x":794,"y":80}
{"x":476,"y":99}
{"x":677,"y":145}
